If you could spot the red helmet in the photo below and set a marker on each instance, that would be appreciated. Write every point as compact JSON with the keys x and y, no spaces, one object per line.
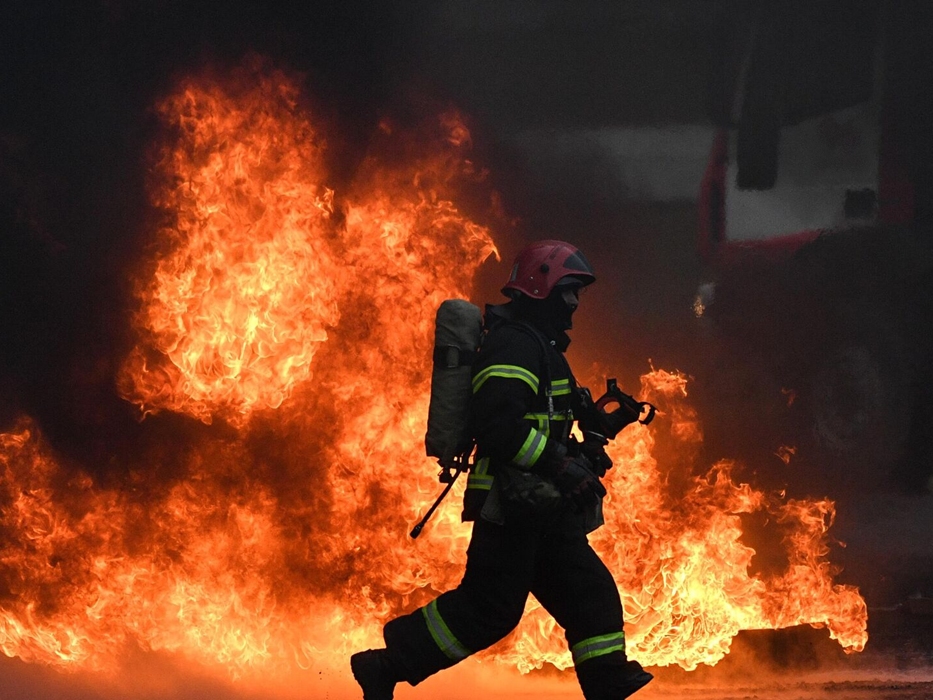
{"x":542,"y":265}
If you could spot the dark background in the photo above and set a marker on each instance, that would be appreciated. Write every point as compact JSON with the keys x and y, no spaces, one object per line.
{"x":76,"y":89}
{"x":79,"y":82}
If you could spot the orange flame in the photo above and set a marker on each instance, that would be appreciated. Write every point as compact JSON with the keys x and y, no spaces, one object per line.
{"x":682,"y":569}
{"x":302,"y":317}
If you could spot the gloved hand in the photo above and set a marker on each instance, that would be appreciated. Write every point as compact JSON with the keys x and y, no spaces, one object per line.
{"x":593,"y":448}
{"x":575,"y":479}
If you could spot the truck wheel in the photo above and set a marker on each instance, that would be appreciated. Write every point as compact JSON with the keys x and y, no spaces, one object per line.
{"x":860,"y":403}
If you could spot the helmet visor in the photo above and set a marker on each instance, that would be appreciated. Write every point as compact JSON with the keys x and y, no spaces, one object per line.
{"x":578,"y":263}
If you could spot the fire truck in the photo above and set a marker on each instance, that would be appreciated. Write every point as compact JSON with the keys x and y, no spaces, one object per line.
{"x":816,"y":302}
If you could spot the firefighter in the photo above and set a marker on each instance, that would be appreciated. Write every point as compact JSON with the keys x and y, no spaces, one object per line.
{"x":533,"y":494}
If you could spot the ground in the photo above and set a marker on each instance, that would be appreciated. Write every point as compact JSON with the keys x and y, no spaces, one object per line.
{"x":796,"y":664}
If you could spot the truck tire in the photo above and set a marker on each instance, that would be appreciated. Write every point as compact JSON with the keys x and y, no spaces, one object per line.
{"x":860,"y":399}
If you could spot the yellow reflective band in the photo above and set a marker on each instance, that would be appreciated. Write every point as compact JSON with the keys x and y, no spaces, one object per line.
{"x":543,"y":416}
{"x":442,"y":635}
{"x":480,"y":482}
{"x":560,"y":388}
{"x":506,"y":372}
{"x":531,"y":449}
{"x":479,"y":477}
{"x":597,"y":646}
{"x":540,"y":420}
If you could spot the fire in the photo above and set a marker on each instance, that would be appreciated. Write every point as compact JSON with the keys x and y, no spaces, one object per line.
{"x":682,"y":568}
{"x":238,"y":307}
{"x":785,"y":453}
{"x":301,"y":317}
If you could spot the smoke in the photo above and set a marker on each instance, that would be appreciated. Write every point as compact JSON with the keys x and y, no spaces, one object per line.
{"x":75,"y":215}
{"x":76,"y":126}
{"x":74,"y":157}
{"x":118,"y":532}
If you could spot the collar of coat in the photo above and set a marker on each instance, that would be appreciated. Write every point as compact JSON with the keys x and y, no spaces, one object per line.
{"x":498,"y":313}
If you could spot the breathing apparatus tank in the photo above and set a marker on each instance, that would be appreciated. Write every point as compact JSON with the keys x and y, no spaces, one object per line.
{"x":457,"y":336}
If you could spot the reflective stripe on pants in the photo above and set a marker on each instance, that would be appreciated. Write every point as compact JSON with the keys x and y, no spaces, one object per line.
{"x":597,"y":646}
{"x":442,"y":635}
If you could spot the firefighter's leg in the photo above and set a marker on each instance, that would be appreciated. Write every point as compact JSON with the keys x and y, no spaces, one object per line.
{"x":574,"y":585}
{"x":485,"y":607}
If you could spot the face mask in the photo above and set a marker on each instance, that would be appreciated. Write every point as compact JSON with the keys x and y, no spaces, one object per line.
{"x":561,"y":304}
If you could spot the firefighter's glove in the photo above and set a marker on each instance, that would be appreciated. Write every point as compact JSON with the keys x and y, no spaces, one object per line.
{"x":575,"y":479}
{"x":593,"y":448}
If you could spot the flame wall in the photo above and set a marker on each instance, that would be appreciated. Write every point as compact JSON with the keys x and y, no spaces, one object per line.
{"x":287,"y":326}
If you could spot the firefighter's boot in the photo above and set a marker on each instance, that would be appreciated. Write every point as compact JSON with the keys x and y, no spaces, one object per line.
{"x":612,"y":681}
{"x":373,"y":670}
{"x":636,"y":678}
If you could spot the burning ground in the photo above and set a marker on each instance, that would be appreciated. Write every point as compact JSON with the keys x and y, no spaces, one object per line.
{"x":278,"y":360}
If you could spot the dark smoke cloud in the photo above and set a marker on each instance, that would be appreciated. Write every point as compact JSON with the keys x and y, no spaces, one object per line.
{"x":76,"y":121}
{"x":76,"y":93}
{"x":78,"y":86}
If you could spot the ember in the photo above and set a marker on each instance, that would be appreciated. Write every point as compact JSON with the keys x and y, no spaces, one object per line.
{"x":301,"y":317}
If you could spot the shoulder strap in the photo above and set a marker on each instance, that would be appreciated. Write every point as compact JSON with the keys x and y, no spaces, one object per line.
{"x":544,"y":387}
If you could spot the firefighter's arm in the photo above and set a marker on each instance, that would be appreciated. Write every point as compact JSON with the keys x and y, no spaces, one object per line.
{"x":504,"y":393}
{"x":505,"y":389}
{"x":500,"y":401}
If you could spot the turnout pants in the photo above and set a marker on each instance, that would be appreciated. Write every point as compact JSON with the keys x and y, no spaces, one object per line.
{"x":552,"y":560}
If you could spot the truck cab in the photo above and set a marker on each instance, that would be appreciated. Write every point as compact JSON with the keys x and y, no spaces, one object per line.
{"x":813,"y":232}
